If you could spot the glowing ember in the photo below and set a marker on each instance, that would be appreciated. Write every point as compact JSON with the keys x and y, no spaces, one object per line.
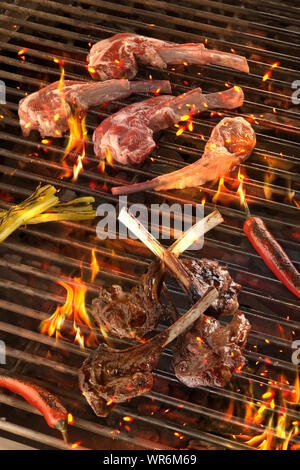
{"x":180,"y":131}
{"x":76,"y":444}
{"x":127,"y":418}
{"x":268,"y":73}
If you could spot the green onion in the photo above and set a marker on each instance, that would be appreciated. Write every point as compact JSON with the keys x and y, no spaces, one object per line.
{"x":78,"y":209}
{"x":43,"y":206}
{"x":41,"y":200}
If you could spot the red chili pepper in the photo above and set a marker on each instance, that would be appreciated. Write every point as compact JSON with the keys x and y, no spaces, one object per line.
{"x":50,"y":407}
{"x":272,"y":253}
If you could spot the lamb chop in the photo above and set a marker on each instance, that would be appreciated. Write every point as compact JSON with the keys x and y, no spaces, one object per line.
{"x":49,"y":109}
{"x":210,"y":273}
{"x":110,"y":376}
{"x":119,"y":56}
{"x":231,"y":143}
{"x":127,"y":136}
{"x":131,"y":314}
{"x":207,"y":354}
{"x":135,"y":313}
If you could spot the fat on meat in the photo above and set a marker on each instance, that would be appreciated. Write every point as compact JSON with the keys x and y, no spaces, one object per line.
{"x":127,"y":135}
{"x":120,"y":55}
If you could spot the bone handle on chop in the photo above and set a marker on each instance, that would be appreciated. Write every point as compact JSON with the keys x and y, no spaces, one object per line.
{"x":191,"y":235}
{"x":190,"y":283}
{"x":186,"y":320}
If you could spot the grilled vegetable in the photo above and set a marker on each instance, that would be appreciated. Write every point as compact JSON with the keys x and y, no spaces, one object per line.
{"x":50,"y":407}
{"x":42,"y":206}
{"x":41,"y":200}
{"x":272,"y":253}
{"x":78,"y":209}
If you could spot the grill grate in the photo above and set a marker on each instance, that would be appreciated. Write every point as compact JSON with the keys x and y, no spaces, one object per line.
{"x":34,"y":258}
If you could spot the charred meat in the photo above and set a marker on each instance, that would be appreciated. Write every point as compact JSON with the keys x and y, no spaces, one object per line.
{"x":207,"y":354}
{"x":112,"y":376}
{"x":210,"y":273}
{"x":131,"y":314}
{"x":134,"y":314}
{"x":119,"y":56}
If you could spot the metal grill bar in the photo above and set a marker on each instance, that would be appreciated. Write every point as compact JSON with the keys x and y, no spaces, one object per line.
{"x":51,"y":29}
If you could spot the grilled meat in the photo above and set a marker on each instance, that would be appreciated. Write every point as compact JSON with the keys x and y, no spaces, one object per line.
{"x":128,"y":134}
{"x":230,"y":144}
{"x":49,"y":109}
{"x":210,"y":273}
{"x":134,"y":314}
{"x":119,"y":56}
{"x":207,"y":354}
{"x":109,"y":376}
{"x":113,"y":376}
{"x":131,"y":314}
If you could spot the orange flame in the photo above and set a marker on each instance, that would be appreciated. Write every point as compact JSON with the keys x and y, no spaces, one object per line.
{"x":78,"y":133}
{"x":76,"y":143}
{"x":241,"y":191}
{"x":73,"y":310}
{"x":268,"y":180}
{"x":94,"y":265}
{"x":220,"y":188}
{"x":278,"y":429}
{"x":108,"y":156}
{"x":180,"y":131}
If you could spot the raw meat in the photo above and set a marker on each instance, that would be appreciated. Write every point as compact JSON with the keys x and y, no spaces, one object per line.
{"x":49,"y":109}
{"x":127,"y":136}
{"x":231,"y":143}
{"x":119,"y":56}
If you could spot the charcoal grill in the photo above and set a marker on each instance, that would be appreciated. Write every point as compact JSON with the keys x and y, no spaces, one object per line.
{"x":171,"y":416}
